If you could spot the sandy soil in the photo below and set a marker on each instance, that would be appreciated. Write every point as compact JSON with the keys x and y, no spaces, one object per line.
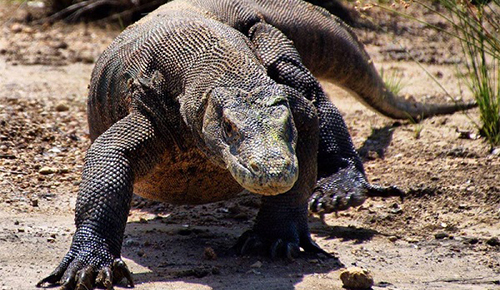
{"x":445,"y":235}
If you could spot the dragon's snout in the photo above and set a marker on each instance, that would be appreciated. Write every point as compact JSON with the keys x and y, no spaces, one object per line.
{"x":267,"y":176}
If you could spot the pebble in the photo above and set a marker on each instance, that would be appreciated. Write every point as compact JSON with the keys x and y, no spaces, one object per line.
{"x":16,"y":28}
{"x":141,"y":253}
{"x":62,"y":107}
{"x":396,"y":211}
{"x":356,"y":278}
{"x":209,"y":254}
{"x":441,"y":235}
{"x":257,"y":264}
{"x":412,"y":240}
{"x":131,"y":243}
{"x":463,"y":206}
{"x":47,"y":170}
{"x":60,"y":45}
{"x":493,"y":242}
{"x":471,"y":240}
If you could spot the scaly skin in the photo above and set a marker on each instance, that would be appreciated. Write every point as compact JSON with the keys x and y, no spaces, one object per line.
{"x":341,"y":179}
{"x":329,"y":49}
{"x":201,"y":99}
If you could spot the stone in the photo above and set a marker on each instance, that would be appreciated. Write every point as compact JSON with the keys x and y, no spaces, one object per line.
{"x":356,"y":278}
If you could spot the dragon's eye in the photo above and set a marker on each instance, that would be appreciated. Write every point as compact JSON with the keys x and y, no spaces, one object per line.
{"x":230,"y":129}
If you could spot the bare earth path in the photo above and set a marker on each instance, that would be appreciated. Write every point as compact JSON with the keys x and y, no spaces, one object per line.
{"x":445,"y":235}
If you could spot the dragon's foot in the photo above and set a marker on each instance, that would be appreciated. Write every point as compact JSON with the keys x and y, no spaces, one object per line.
{"x":279,"y":233}
{"x":86,"y":267}
{"x":344,"y":189}
{"x":88,"y":277}
{"x":253,"y":243}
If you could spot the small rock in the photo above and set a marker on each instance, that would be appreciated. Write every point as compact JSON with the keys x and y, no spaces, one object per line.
{"x":441,"y":235}
{"x":28,"y":30}
{"x":16,"y":28}
{"x":54,"y":150}
{"x":396,"y":211}
{"x":493,"y":242}
{"x":257,"y":264}
{"x":471,"y":240}
{"x":356,"y":278}
{"x":463,"y":206}
{"x":60,"y":44}
{"x":209,"y":254}
{"x":62,"y":107}
{"x":141,"y":253}
{"x":21,"y":230}
{"x":131,"y":243}
{"x":412,"y":240}
{"x":495,"y":151}
{"x":34,"y":202}
{"x":393,"y":238}
{"x":47,"y":170}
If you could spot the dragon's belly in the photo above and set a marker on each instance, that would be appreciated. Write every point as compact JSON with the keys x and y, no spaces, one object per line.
{"x":186,"y":178}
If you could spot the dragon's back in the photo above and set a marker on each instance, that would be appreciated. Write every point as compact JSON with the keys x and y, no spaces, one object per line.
{"x":169,"y":41}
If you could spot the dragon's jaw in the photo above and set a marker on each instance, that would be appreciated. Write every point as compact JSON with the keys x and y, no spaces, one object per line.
{"x":265,"y":176}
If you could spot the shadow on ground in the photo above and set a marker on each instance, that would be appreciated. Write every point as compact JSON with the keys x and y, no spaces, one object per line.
{"x":193,"y":244}
{"x":377,"y":143}
{"x":203,"y":255}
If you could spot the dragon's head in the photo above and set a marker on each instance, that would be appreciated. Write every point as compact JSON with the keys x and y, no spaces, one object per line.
{"x":254,"y":136}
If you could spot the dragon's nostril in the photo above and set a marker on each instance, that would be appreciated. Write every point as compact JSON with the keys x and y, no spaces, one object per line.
{"x":255,"y":167}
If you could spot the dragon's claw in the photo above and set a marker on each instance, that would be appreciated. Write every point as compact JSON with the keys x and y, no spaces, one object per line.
{"x":252,"y":242}
{"x":88,"y":277}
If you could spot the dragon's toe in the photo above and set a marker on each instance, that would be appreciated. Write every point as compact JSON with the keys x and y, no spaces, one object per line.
{"x":88,"y":277}
{"x":253,"y":242}
{"x":87,"y":267}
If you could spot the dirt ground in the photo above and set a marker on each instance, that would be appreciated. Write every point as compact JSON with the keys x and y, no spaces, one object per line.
{"x":444,"y":235}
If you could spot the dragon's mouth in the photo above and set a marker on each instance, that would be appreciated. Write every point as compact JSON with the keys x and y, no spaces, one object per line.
{"x":271,"y":178}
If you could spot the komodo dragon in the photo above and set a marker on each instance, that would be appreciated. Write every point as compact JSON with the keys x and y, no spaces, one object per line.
{"x":204,"y":98}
